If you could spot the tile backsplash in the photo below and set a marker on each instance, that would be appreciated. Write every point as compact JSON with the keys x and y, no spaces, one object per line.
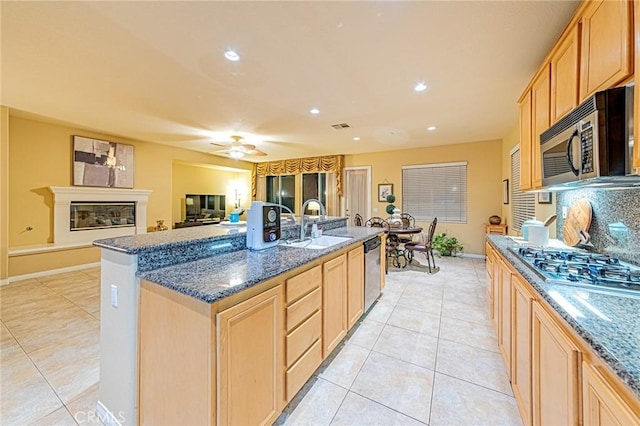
{"x":615,"y":226}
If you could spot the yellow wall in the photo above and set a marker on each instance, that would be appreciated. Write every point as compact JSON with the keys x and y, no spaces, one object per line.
{"x":40,"y":154}
{"x":4,"y":192}
{"x":39,"y":262}
{"x":200,"y":179}
{"x":484,"y":196}
{"x":543,"y":211}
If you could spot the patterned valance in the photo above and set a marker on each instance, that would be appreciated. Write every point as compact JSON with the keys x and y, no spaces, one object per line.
{"x":294,"y":166}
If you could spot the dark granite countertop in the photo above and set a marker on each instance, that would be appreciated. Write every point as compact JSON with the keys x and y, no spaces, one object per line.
{"x":609,"y":323}
{"x":216,"y":277}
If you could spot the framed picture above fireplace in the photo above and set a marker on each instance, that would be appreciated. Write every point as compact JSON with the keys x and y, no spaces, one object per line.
{"x":102,"y":163}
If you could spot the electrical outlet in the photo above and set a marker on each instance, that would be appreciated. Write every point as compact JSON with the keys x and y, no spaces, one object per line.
{"x":114,"y":295}
{"x":564,"y":212}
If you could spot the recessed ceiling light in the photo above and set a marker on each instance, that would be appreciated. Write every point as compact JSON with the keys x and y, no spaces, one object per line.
{"x":356,"y":138}
{"x":420,"y":87}
{"x":431,"y":128}
{"x":232,"y":55}
{"x":314,"y":111}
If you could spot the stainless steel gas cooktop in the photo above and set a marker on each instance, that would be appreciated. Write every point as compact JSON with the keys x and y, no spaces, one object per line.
{"x":582,"y":268}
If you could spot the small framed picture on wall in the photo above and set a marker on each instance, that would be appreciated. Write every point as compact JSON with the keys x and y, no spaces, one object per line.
{"x":384,"y":189}
{"x":505,"y":191}
{"x":544,"y":197}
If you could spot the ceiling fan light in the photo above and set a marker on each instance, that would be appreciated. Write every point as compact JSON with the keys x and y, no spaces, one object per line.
{"x":236,"y":154}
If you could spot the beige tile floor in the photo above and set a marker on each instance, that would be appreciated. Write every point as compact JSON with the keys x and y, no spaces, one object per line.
{"x":425,"y":354}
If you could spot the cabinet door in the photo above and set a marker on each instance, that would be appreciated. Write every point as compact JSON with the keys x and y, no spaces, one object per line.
{"x":636,"y":90}
{"x":601,"y":405}
{"x":564,"y":75}
{"x":383,"y":261}
{"x":504,"y":315}
{"x":540,"y":104}
{"x":495,"y":292}
{"x":355,"y":294}
{"x":606,"y":45}
{"x":334,"y":303}
{"x":525,"y":142}
{"x":521,"y":305}
{"x":555,"y":364}
{"x":251,"y":360}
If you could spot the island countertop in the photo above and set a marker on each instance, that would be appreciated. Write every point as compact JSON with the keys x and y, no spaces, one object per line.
{"x":216,"y":277}
{"x":607,"y":322}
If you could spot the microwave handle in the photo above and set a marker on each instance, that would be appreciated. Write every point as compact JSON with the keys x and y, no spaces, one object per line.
{"x":569,"y":155}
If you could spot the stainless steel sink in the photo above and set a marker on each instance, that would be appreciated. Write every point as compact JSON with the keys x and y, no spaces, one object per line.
{"x":319,"y":243}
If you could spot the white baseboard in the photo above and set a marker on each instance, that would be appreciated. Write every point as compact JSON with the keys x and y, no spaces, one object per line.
{"x":49,"y":272}
{"x":473,"y":255}
{"x":106,"y":417}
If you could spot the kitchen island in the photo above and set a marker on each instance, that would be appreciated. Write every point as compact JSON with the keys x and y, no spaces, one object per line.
{"x":572,"y":353}
{"x":174,"y":305}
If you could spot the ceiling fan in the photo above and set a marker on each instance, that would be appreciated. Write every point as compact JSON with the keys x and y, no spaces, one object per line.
{"x":237,"y":149}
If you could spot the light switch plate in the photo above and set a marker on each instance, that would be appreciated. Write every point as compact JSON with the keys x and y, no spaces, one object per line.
{"x":564,"y":212}
{"x":114,"y":295}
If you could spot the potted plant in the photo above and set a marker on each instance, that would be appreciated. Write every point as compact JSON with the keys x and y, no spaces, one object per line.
{"x":446,"y":246}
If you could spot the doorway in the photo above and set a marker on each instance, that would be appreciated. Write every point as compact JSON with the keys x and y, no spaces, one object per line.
{"x":357,"y":192}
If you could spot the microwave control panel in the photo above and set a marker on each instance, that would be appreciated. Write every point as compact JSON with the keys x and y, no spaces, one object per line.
{"x":586,"y":142}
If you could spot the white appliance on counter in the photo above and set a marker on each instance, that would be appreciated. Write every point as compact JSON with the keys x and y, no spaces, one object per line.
{"x":263,"y":225}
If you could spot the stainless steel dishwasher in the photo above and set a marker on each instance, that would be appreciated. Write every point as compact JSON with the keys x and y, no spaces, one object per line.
{"x":371,"y":271}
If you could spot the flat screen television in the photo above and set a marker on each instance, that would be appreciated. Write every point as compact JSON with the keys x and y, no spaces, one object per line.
{"x":204,"y":207}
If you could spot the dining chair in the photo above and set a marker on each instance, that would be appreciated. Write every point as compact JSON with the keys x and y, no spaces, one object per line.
{"x":357,"y":220}
{"x":408,"y":221}
{"x":425,"y":246}
{"x":377,"y":222}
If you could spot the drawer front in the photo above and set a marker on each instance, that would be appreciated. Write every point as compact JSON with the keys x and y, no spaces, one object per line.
{"x":303,"y":308}
{"x":303,"y":283}
{"x":303,"y":337}
{"x":300,"y":372}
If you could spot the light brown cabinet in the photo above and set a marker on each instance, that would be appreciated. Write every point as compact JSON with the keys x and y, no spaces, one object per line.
{"x":334,"y":303}
{"x":522,"y":304}
{"x":564,"y":74}
{"x":601,"y":404}
{"x":555,"y":372}
{"x":504,"y":313}
{"x":606,"y":54}
{"x":636,"y":89}
{"x":251,"y":360}
{"x":540,"y":119}
{"x":526,"y":147}
{"x":303,"y":328}
{"x":355,"y":293}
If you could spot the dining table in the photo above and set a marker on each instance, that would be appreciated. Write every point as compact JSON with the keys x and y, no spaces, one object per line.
{"x":397,"y":251}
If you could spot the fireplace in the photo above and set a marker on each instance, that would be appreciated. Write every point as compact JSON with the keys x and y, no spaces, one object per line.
{"x":84,"y":214}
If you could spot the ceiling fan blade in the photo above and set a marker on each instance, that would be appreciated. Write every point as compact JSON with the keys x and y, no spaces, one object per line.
{"x":256,"y":152}
{"x":246,"y":147}
{"x":225,"y":145}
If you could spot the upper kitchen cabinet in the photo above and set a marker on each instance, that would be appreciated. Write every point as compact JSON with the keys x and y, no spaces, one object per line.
{"x":540,"y":120}
{"x":606,"y":55}
{"x":564,"y":74}
{"x":636,"y":93}
{"x":525,"y":141}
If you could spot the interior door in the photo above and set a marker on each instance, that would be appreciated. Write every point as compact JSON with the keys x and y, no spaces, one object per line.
{"x":357,"y":192}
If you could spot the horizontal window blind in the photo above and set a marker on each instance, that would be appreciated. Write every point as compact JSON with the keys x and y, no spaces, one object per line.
{"x":523,"y":203}
{"x":435,"y":190}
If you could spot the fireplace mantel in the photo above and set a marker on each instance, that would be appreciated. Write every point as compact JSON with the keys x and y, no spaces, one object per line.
{"x":64,"y":195}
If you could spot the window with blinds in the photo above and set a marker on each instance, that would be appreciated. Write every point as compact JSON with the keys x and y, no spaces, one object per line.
{"x":435,"y":190}
{"x":522,"y":203}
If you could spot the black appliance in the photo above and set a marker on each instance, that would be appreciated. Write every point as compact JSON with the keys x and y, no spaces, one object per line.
{"x":592,"y":143}
{"x":582,"y":268}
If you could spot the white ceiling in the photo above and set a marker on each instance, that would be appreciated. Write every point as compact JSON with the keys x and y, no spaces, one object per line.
{"x":155,"y":71}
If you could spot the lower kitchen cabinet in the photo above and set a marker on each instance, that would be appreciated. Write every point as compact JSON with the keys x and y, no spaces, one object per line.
{"x":521,"y":307}
{"x":601,"y":404}
{"x":251,"y":360}
{"x":334,"y":303}
{"x":355,"y":293}
{"x":555,"y":372}
{"x":504,"y":313}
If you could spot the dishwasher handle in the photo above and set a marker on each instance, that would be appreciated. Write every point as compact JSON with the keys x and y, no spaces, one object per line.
{"x":372,"y":244}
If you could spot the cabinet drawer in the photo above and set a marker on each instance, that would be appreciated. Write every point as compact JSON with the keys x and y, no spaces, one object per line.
{"x":302,"y":284}
{"x":303,"y":308}
{"x":303,"y":337}
{"x":300,"y":372}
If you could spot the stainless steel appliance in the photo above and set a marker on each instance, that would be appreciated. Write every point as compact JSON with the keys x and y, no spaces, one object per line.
{"x":582,"y":269}
{"x":592,"y":143}
{"x":371,"y":271}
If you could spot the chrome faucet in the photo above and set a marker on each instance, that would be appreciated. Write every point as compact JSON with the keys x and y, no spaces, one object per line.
{"x":304,"y":206}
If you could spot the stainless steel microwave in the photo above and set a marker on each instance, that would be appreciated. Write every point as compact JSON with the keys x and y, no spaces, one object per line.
{"x":594,"y":141}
